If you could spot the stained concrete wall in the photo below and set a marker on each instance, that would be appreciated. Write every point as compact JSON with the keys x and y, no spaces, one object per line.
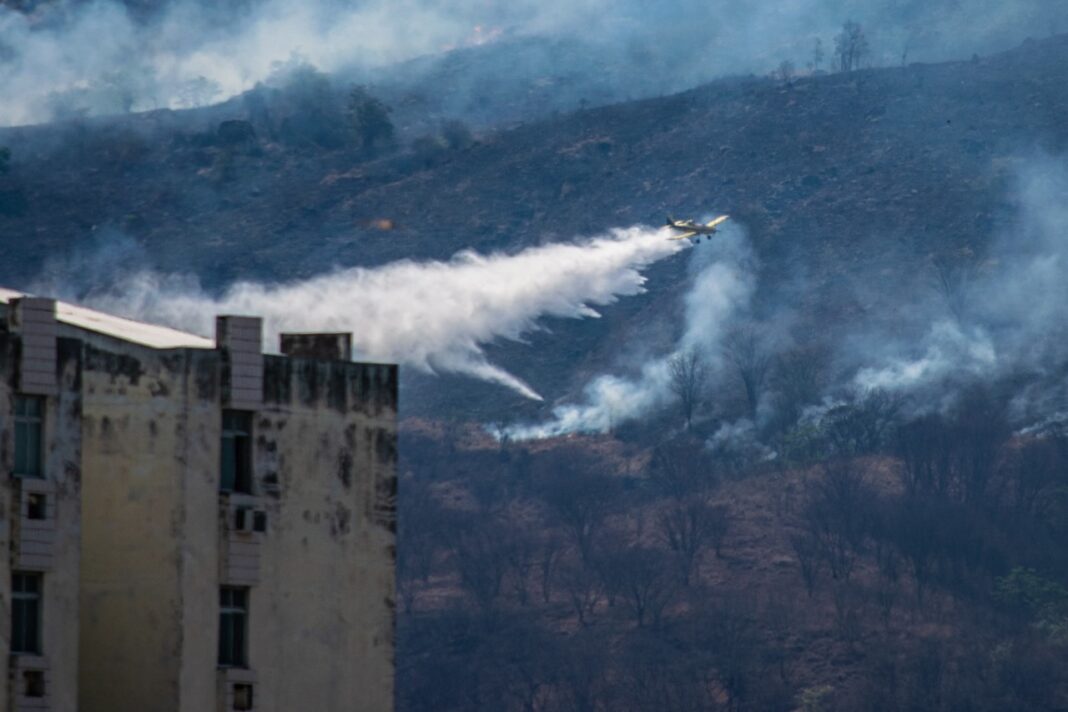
{"x":321,"y":617}
{"x":325,"y":445}
{"x":62,"y":480}
{"x":146,"y":443}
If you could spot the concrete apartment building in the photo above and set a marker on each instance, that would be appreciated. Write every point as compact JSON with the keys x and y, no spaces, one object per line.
{"x":236,"y":525}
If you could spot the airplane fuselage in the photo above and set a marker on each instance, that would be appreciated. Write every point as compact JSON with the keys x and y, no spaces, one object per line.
{"x":694,"y":227}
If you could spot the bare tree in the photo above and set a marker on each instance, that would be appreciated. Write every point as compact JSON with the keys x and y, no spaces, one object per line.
{"x":862,"y":426}
{"x":481,"y":559}
{"x":797,"y":378}
{"x":807,"y":549}
{"x":548,"y":558}
{"x":837,"y":517}
{"x":851,"y":47}
{"x":642,"y":579}
{"x":578,"y":493}
{"x":689,"y":376}
{"x":520,"y":553}
{"x":688,"y":527}
{"x":954,"y":274}
{"x":817,"y":56}
{"x":681,"y":466}
{"x":784,"y":72}
{"x":744,"y":348}
{"x":584,"y":590}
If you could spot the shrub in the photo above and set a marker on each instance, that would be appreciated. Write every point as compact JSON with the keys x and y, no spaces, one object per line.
{"x":369,"y":120}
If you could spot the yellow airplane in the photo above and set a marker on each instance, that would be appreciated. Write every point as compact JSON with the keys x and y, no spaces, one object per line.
{"x":692,"y":230}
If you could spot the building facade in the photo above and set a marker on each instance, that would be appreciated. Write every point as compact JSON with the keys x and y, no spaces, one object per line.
{"x":237,"y":520}
{"x":40,"y":507}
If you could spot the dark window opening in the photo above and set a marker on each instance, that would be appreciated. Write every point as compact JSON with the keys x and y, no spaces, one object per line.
{"x":233,"y":626}
{"x":33,"y":683}
{"x":236,"y":452}
{"x":36,"y":506}
{"x":259,"y":521}
{"x":242,"y":696}
{"x":29,"y":425}
{"x":26,"y":613}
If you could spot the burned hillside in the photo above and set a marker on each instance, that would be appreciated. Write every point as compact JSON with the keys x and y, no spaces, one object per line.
{"x":844,"y":182}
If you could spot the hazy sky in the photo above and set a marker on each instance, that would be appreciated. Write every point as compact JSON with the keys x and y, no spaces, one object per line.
{"x":98,"y":56}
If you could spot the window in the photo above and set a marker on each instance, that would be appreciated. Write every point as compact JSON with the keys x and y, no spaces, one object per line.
{"x":33,"y":683}
{"x":29,"y":420}
{"x":236,"y":452}
{"x":36,"y":506}
{"x":233,"y":626}
{"x":26,"y":613}
{"x":242,"y":696}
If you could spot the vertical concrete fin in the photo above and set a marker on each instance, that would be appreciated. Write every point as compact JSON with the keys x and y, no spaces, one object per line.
{"x":240,"y":338}
{"x":33,"y":319}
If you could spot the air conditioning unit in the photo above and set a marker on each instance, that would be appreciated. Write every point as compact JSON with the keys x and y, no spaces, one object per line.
{"x":247,"y":519}
{"x":242,"y":696}
{"x":243,"y":519}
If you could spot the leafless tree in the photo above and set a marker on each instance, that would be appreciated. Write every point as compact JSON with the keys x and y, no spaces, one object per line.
{"x":481,"y":559}
{"x":584,"y":590}
{"x":837,"y":516}
{"x":689,"y":377}
{"x":848,"y":599}
{"x":643,"y":579}
{"x":520,"y":553}
{"x":797,"y":378}
{"x":817,"y":56}
{"x":954,"y":274}
{"x":1036,"y":472}
{"x":576,"y":490}
{"x":851,"y":47}
{"x":548,"y":557}
{"x":862,"y":426}
{"x":784,"y":72}
{"x":745,"y":350}
{"x":807,"y":550}
{"x":690,"y":526}
{"x":681,"y":466}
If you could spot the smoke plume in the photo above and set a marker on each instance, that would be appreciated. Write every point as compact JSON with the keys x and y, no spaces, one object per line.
{"x":1002,"y":315}
{"x":434,"y":316}
{"x":721,"y":285}
{"x":99,"y":57}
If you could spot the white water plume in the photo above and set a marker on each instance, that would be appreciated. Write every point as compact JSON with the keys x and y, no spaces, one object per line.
{"x":721,"y":287}
{"x":434,"y":316}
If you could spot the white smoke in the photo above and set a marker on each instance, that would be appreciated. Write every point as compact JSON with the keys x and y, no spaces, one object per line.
{"x":722,"y":285}
{"x":434,"y":316}
{"x":190,"y":52}
{"x":949,"y":349}
{"x":1013,"y":323}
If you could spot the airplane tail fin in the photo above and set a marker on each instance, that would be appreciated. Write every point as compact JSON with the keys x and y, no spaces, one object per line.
{"x":670,"y":220}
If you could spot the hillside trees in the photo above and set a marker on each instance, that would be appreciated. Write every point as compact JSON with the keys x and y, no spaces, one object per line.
{"x":579,"y":494}
{"x":551,"y":588}
{"x":746,"y":349}
{"x":688,"y":527}
{"x":368,"y":119}
{"x":689,"y":379}
{"x":851,"y":47}
{"x":816,"y":64}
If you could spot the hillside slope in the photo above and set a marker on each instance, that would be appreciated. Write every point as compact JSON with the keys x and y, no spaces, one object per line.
{"x":837,"y":178}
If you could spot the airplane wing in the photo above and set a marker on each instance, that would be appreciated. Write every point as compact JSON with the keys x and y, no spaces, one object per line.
{"x":683,"y":236}
{"x":721,"y":219}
